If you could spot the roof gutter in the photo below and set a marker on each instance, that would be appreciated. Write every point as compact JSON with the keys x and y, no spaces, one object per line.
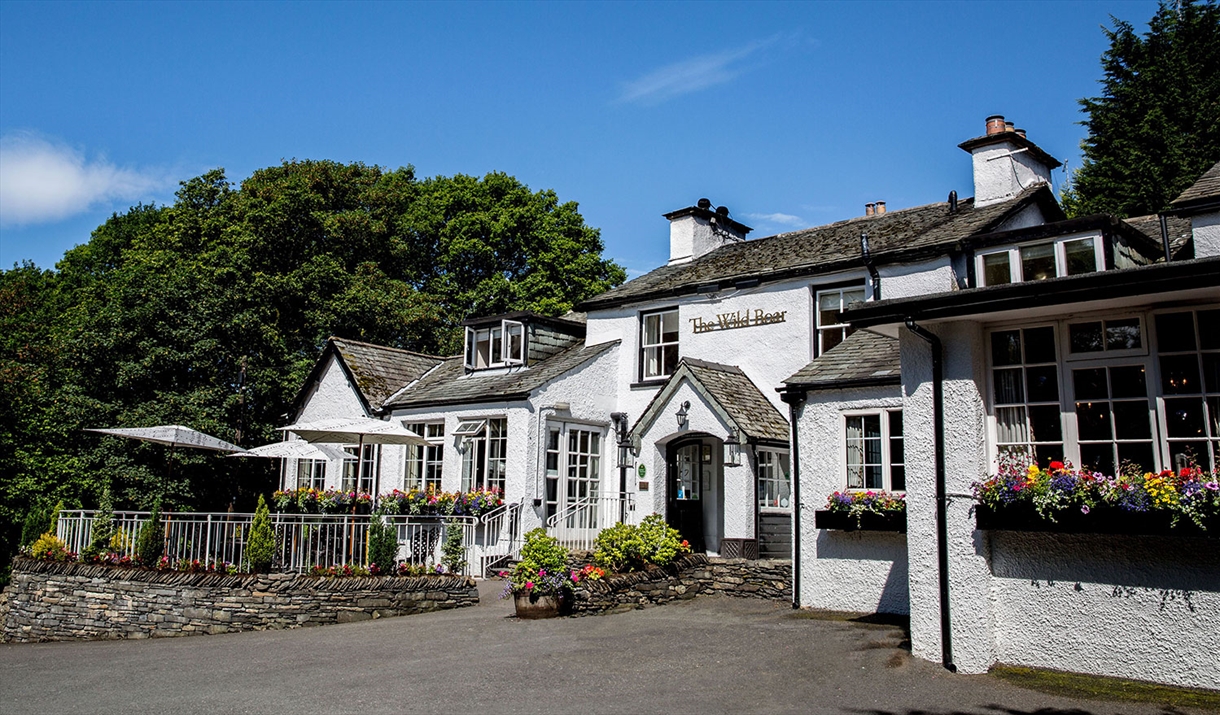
{"x":942,"y":531}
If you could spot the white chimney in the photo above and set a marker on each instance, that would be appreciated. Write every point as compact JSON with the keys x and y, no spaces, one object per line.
{"x":1006,"y":162}
{"x":698,"y":230}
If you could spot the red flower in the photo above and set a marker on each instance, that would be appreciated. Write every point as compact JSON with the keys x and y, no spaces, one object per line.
{"x":1056,"y":465}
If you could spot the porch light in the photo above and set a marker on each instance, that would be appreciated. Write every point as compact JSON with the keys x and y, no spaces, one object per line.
{"x":732,"y":450}
{"x":683,"y":411}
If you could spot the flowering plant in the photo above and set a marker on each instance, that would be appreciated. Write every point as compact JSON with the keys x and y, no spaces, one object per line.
{"x":344,"y":570}
{"x":858,"y":503}
{"x":50,"y":547}
{"x":1189,"y":492}
{"x":312,"y":501}
{"x":434,"y":502}
{"x":542,"y":570}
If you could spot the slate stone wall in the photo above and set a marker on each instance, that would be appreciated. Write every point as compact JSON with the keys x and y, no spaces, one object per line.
{"x":53,"y":601}
{"x":687,"y":577}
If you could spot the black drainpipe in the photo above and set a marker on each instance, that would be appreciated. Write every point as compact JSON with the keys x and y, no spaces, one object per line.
{"x":795,"y":398}
{"x":1165,"y":239}
{"x":867,"y":257}
{"x":942,"y":531}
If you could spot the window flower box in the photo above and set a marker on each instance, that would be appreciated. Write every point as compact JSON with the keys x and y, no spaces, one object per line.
{"x":842,"y":521}
{"x":1099,"y":520}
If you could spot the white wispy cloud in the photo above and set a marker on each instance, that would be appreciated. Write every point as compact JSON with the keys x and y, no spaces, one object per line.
{"x":779,"y":218}
{"x":43,"y":180}
{"x":693,"y":74}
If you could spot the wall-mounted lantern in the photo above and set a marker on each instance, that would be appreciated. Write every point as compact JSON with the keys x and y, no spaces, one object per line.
{"x":683,"y":411}
{"x":732,"y":450}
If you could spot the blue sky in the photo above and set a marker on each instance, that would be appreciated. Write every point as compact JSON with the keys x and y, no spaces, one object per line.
{"x":791,"y":114}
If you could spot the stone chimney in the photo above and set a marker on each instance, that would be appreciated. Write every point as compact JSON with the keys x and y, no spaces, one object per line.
{"x":700,"y":229}
{"x":1006,"y":162}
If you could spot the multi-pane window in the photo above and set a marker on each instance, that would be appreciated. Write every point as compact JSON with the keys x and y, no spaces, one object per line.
{"x":494,"y":346}
{"x":1125,"y":405}
{"x":311,"y":474}
{"x":358,"y":473}
{"x":484,"y":454}
{"x":1039,"y":261}
{"x":425,"y":462}
{"x":1025,"y":393}
{"x":573,"y":466}
{"x":1188,"y":356}
{"x":875,"y":451}
{"x":774,"y":480}
{"x":1113,"y":424}
{"x":830,"y":329}
{"x":658,"y":344}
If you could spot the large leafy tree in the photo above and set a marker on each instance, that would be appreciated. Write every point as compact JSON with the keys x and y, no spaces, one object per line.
{"x":211,"y":311}
{"x":1154,"y":129}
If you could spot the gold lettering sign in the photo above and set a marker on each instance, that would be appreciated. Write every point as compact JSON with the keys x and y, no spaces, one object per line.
{"x":737,"y":319}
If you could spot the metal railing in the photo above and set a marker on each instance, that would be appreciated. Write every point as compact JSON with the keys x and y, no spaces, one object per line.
{"x":302,"y":540}
{"x":499,"y":537}
{"x":578,"y":524}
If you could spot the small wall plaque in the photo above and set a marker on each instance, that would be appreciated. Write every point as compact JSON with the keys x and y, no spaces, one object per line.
{"x":643,"y":486}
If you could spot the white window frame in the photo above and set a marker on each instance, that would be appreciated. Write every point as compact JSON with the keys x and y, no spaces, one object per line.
{"x":888,"y":461}
{"x":1066,"y":431}
{"x":769,"y":460}
{"x":564,"y":466}
{"x":499,"y":345}
{"x":1149,"y":357}
{"x":314,"y":472}
{"x":661,"y":345}
{"x":1014,"y":257}
{"x":355,"y":471}
{"x":819,"y":328}
{"x":1065,"y":337}
{"x":485,"y":470}
{"x":427,"y":459}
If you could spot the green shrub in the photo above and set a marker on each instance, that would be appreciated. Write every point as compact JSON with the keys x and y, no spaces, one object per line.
{"x":35,"y":524}
{"x":150,"y":543}
{"x":543,"y":567}
{"x":50,"y":547}
{"x":103,"y":530}
{"x":453,"y":555}
{"x":625,"y":547}
{"x":383,"y":544}
{"x":260,"y":550}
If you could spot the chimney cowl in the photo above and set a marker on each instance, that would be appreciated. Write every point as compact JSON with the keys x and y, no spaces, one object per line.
{"x":880,"y":207}
{"x":868,"y":208}
{"x":995,"y":124}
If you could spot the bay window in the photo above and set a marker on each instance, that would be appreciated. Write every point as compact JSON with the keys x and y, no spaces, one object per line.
{"x":1130,"y":390}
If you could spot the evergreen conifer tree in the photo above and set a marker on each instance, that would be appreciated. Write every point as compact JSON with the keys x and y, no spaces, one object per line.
{"x":383,"y":544}
{"x":453,"y":555}
{"x":260,"y":550}
{"x":150,"y":544}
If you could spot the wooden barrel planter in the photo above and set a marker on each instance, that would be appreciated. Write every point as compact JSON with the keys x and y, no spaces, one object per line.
{"x":532,"y":606}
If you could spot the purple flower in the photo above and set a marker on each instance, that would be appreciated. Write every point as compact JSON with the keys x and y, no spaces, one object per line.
{"x":1214,"y":486}
{"x":1084,"y":509}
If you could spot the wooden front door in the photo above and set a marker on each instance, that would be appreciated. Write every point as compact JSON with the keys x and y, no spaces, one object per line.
{"x":687,"y":469}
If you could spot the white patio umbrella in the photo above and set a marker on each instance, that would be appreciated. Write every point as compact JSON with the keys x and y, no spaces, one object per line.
{"x":173,"y":435}
{"x":295,"y":449}
{"x":360,"y":430}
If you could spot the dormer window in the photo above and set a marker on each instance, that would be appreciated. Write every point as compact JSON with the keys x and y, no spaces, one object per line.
{"x":495,"y":345}
{"x":1039,"y":261}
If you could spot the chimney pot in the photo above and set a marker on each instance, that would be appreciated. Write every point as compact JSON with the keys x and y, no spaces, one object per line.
{"x":704,"y":203}
{"x":1010,"y":127}
{"x":868,"y":209}
{"x":880,"y":207}
{"x":722,"y":210}
{"x":995,"y":124}
{"x":1020,"y":132}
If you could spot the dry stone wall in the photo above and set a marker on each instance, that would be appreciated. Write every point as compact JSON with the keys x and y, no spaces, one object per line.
{"x":687,"y":577}
{"x":54,"y":601}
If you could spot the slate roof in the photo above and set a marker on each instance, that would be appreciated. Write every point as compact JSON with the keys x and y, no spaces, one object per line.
{"x":1180,"y":232}
{"x":1205,"y":190}
{"x":825,"y":249}
{"x":735,"y":394}
{"x":863,"y":358}
{"x":379,"y":371}
{"x":449,"y":384}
